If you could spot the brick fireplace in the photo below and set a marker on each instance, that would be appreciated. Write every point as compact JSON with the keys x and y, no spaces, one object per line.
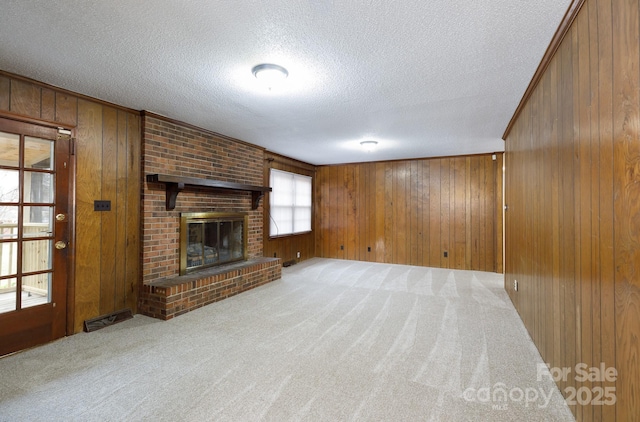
{"x":178,"y":149}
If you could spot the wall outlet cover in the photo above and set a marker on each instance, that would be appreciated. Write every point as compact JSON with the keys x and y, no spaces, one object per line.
{"x":99,"y":205}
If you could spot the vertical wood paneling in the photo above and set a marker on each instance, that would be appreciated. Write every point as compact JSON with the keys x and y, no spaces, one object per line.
{"x":567,"y":222}
{"x":379,"y":209}
{"x":592,"y":339}
{"x":321,"y":190}
{"x":25,"y":98}
{"x":435,"y":246}
{"x":132,"y":214}
{"x":425,"y":215}
{"x":555,"y":76}
{"x":491,"y":175}
{"x":476,"y":219}
{"x":576,"y":149}
{"x":350,"y":218}
{"x":499,"y":220}
{"x":108,"y":220}
{"x":48,"y":105}
{"x":606,"y":177}
{"x":482,"y":212}
{"x":445,"y":213}
{"x":66,"y":109}
{"x":545,"y":170}
{"x":400,"y":216}
{"x":409,"y":218}
{"x":120,"y":206}
{"x":467,"y":215}
{"x":341,"y":220}
{"x":370,"y":202}
{"x":460,"y":211}
{"x":626,"y":191}
{"x":583,"y":206}
{"x":5,"y":93}
{"x":416,"y":242}
{"x":389,"y":232}
{"x":88,"y":222}
{"x":333,"y":221}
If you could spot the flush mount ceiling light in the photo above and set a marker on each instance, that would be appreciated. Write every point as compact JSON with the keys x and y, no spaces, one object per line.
{"x":369,"y":145}
{"x":270,"y":74}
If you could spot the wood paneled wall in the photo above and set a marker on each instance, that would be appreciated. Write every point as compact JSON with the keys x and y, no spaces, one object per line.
{"x":286,"y":247}
{"x":573,"y":191}
{"x":107,"y":244}
{"x":412,"y":212}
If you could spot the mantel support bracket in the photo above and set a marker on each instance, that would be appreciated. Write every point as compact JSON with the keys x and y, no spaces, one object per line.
{"x":255,"y":199}
{"x":173,"y":189}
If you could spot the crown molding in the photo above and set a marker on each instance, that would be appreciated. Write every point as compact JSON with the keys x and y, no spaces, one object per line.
{"x":561,"y":32}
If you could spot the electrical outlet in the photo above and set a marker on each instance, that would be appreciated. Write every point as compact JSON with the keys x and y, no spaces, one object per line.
{"x":515,"y":285}
{"x":446,"y":254}
{"x":297,"y":254}
{"x":342,"y":247}
{"x":368,"y":248}
{"x":101,"y":205}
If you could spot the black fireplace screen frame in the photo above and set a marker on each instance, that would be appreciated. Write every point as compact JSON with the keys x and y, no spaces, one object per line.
{"x":210,"y":239}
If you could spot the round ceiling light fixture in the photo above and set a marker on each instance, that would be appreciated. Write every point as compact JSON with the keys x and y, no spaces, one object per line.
{"x":369,"y":145}
{"x":270,"y":74}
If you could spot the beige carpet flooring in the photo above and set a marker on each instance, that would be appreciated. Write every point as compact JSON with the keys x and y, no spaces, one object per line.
{"x":332,"y":340}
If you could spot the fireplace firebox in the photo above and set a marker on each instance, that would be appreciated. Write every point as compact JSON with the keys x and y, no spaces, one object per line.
{"x":208,"y":239}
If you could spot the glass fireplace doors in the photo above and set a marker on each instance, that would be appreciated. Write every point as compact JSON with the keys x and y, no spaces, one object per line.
{"x":210,"y":239}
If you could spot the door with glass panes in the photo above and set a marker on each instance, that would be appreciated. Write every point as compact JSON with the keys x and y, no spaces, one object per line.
{"x":34,"y":233}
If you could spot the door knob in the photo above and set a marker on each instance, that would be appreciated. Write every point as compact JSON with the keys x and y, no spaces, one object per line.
{"x":60,"y":217}
{"x":60,"y":244}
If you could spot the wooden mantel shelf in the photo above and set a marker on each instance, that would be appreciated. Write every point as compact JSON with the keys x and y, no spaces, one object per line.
{"x":175,"y":184}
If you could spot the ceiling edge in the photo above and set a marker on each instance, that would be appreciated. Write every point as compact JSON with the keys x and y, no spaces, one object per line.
{"x":272,"y":157}
{"x":561,"y":32}
{"x":397,"y":160}
{"x":146,"y":113}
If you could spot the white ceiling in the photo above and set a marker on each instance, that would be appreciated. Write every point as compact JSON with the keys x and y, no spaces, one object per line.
{"x":424,"y":78}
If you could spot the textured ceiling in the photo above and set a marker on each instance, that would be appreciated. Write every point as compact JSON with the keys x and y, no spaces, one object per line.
{"x":424,"y":78}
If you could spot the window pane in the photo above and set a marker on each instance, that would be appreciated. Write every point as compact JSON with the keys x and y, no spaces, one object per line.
{"x":303,"y":191}
{"x":36,"y":290}
{"x":38,"y":221}
{"x":38,"y":153}
{"x":302,"y":220}
{"x":9,"y":149}
{"x":36,"y":255}
{"x":281,"y":221}
{"x":8,"y":258}
{"x":8,"y":295}
{"x":38,"y":187}
{"x":282,"y":188}
{"x":9,"y":188}
{"x":8,"y":222}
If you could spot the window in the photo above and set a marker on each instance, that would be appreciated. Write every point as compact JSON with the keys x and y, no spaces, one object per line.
{"x":290,"y":203}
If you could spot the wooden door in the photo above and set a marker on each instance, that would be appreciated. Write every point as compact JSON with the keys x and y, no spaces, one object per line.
{"x":35,"y":169}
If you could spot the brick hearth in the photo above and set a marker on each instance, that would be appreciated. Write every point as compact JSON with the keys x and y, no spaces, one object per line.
{"x":168,"y":298}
